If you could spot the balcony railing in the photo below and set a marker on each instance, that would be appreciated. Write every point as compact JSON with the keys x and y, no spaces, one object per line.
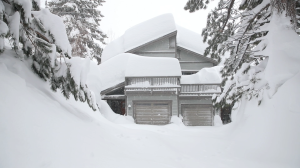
{"x":152,"y":81}
{"x":200,"y":89}
{"x":152,"y":84}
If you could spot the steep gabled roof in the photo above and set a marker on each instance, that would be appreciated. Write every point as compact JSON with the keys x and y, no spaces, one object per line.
{"x":140,"y":34}
{"x":152,"y":30}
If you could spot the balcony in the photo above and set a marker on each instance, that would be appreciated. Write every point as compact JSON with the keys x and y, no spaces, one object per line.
{"x":152,"y":84}
{"x":200,"y":89}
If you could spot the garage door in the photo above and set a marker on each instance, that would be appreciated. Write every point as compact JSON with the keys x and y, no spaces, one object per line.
{"x":197,"y":115}
{"x":154,"y":113}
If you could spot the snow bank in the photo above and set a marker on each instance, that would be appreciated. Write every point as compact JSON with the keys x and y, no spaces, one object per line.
{"x":153,"y":29}
{"x":205,"y":75}
{"x":54,"y":132}
{"x":190,"y":40}
{"x":113,"y":71}
{"x":269,"y":132}
{"x":283,"y":44}
{"x":217,"y":121}
{"x":48,"y":19}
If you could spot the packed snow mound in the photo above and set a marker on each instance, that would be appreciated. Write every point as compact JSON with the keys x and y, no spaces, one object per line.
{"x":150,"y":30}
{"x":205,"y":75}
{"x":283,"y":44}
{"x":115,"y":70}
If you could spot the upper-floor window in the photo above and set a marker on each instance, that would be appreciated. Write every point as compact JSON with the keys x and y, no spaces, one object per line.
{"x":172,"y":42}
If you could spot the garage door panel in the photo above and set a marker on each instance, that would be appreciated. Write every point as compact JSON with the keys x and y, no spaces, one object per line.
{"x":197,"y":123}
{"x":197,"y":115}
{"x":154,"y":113}
{"x":143,"y":118}
{"x":208,"y":118}
{"x":160,"y":122}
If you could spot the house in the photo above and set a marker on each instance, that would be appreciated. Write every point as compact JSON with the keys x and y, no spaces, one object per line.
{"x":157,"y":70}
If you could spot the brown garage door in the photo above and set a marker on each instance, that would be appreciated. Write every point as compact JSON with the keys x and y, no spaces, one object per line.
{"x":197,"y":115}
{"x":153,"y":113}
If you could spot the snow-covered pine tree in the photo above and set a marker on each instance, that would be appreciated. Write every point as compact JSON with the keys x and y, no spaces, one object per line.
{"x":82,"y":19}
{"x":42,"y":37}
{"x":240,"y":27}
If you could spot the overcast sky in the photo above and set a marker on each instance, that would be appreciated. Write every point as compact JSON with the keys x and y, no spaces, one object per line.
{"x":123,"y":14}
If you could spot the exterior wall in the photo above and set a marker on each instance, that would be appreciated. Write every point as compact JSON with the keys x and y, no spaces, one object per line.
{"x":190,"y":61}
{"x":159,"y":45}
{"x":194,"y":101}
{"x":157,"y":54}
{"x":194,"y":65}
{"x":173,"y":98}
{"x":190,"y":56}
{"x":164,"y":47}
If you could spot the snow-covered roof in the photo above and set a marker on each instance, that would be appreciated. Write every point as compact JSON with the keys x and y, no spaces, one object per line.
{"x":150,"y":66}
{"x":205,"y":75}
{"x":190,"y":40}
{"x":151,"y":30}
{"x":115,"y":70}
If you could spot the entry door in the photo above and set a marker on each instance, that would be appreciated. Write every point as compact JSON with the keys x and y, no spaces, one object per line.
{"x":197,"y":115}
{"x":153,"y":113}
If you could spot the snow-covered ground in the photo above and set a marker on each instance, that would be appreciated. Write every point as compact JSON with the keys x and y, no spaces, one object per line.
{"x":40,"y":128}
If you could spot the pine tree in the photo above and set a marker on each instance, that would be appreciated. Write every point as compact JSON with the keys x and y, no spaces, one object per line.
{"x":239,"y":27}
{"x":24,"y":23}
{"x":82,"y":23}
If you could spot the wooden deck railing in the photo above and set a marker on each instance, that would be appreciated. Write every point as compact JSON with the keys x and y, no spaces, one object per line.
{"x":152,"y":81}
{"x":200,"y":88}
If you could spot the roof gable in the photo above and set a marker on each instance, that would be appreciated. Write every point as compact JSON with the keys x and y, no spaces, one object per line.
{"x":153,"y":30}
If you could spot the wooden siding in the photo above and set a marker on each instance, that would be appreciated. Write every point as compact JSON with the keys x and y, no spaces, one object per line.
{"x":157,"y":54}
{"x":160,"y":43}
{"x":194,"y":66}
{"x":187,"y":55}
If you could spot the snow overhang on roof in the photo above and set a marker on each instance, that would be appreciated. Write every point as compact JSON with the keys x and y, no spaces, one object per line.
{"x":139,"y":66}
{"x":210,"y":75}
{"x":151,"y":30}
{"x":114,"y":70}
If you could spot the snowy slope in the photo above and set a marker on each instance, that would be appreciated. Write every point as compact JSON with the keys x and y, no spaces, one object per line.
{"x":39,"y":128}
